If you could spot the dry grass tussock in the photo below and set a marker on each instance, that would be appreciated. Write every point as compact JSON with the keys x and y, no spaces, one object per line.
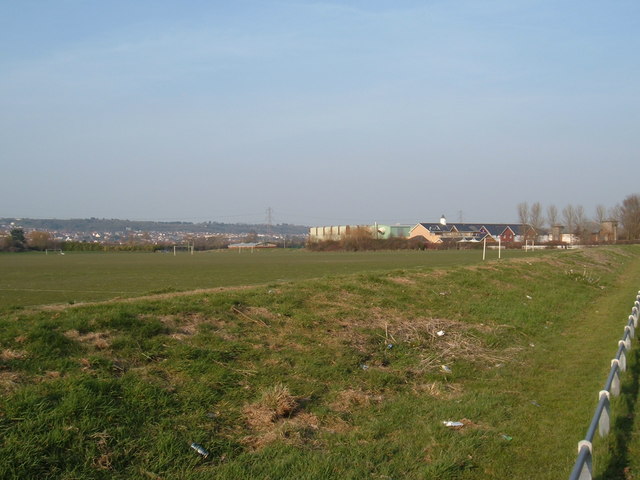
{"x":277,"y":416}
{"x":403,"y":280}
{"x":8,"y":354}
{"x":349,"y":399}
{"x":332,"y":302}
{"x":276,"y":403}
{"x":258,"y":315}
{"x":603,"y":258}
{"x":103,"y":460}
{"x":99,"y":340}
{"x":184,"y":326}
{"x":439,"y":340}
{"x":460,"y":345}
{"x":260,"y":312}
{"x":9,"y":381}
{"x":445,"y":391}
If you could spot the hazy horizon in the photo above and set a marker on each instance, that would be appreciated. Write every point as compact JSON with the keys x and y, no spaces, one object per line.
{"x":348,"y":112}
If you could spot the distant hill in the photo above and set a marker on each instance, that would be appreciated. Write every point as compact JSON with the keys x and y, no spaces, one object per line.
{"x":116,"y":225}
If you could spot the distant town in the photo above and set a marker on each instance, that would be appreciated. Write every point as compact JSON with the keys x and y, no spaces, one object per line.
{"x":80,"y":234}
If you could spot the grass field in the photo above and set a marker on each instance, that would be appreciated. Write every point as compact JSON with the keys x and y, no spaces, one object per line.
{"x":36,"y":279}
{"x":332,"y":377}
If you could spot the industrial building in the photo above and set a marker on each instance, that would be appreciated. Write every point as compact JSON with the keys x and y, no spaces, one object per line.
{"x":338,"y":232}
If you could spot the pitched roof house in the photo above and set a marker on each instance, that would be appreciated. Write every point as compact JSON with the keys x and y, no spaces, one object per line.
{"x":505,"y":232}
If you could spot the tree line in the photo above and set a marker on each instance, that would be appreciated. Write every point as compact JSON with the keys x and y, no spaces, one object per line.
{"x":575,"y":221}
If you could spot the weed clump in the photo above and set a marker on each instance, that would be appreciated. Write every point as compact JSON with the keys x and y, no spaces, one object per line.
{"x":277,"y":416}
{"x":276,"y":403}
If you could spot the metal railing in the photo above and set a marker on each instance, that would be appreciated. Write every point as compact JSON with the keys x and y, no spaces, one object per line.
{"x":582,"y":469}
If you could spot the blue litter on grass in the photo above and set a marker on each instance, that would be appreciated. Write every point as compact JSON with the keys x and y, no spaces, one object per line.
{"x":200,"y":449}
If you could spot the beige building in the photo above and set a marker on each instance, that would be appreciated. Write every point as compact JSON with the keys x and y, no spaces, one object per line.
{"x":608,"y":231}
{"x":332,"y":232}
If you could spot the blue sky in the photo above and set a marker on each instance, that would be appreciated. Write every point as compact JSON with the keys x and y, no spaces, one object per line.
{"x":327,"y":112}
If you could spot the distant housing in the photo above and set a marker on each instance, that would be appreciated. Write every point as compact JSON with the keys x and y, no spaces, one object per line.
{"x":472,"y":232}
{"x":431,"y":232}
{"x":467,"y":233}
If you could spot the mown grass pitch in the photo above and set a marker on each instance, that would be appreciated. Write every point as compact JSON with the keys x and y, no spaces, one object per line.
{"x":37,"y":279}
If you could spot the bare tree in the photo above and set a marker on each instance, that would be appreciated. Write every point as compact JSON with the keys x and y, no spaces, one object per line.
{"x":569,"y":217}
{"x":615,"y":213}
{"x":580,"y":218}
{"x":552,"y":215}
{"x":40,"y":240}
{"x":536,"y":218}
{"x":601,"y":214}
{"x":523,"y":213}
{"x":631,"y":216}
{"x":582,"y":227}
{"x":523,"y":216}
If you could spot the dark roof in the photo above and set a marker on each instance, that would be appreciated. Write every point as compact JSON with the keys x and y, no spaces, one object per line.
{"x":437,"y":227}
{"x":494,"y":229}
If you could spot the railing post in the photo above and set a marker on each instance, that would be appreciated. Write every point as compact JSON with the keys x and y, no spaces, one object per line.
{"x":622,"y":355}
{"x":630,"y":330}
{"x":605,"y":416}
{"x":582,"y":470}
{"x":615,"y":383}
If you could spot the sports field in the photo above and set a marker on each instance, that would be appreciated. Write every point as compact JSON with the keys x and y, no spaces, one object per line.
{"x":37,"y":279}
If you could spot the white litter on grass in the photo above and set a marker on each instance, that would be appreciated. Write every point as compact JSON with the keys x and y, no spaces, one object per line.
{"x":440,"y":333}
{"x":452,"y":424}
{"x":529,"y":297}
{"x":445,"y":368}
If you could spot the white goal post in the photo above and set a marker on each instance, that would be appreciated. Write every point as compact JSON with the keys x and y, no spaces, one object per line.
{"x":189,"y":247}
{"x":53,"y":251}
